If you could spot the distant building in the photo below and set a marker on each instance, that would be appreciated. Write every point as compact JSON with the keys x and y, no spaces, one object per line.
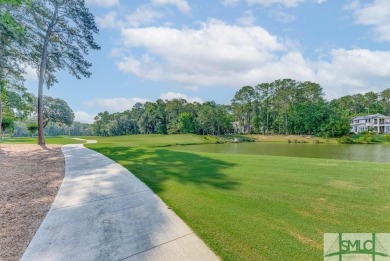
{"x":237,"y":127}
{"x":377,"y":123}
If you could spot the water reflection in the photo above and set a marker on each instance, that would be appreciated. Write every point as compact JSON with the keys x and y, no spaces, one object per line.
{"x":375,"y":153}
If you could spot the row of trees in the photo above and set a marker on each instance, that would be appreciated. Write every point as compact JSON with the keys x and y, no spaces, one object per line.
{"x":29,"y":127}
{"x":166,"y":117}
{"x":292,"y":107}
{"x":288,"y":107}
{"x":20,"y":115}
{"x":48,"y":35}
{"x":280,"y":107}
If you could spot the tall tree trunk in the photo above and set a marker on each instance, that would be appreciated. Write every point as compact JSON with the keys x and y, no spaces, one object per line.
{"x":1,"y":107}
{"x":286,"y":124}
{"x":286,"y":121}
{"x":42,"y":72}
{"x":2,"y":83}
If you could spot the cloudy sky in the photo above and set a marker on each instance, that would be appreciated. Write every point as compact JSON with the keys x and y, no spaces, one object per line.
{"x":206,"y":50}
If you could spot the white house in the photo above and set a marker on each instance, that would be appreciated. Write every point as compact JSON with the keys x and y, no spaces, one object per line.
{"x":377,"y":122}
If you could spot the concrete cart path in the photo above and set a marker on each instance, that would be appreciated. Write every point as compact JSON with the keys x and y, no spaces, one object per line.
{"x":103,"y":212}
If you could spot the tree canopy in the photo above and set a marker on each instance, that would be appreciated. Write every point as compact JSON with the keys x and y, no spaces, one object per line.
{"x":63,"y":33}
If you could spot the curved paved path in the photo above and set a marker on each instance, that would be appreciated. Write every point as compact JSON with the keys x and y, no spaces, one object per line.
{"x":103,"y":212}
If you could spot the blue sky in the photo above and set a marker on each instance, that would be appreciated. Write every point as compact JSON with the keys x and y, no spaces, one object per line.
{"x":207,"y":50}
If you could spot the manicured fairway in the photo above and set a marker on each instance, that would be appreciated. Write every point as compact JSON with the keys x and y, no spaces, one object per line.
{"x":249,"y":207}
{"x":151,"y":140}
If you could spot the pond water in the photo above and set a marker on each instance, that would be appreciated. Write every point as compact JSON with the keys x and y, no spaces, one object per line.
{"x":360,"y":152}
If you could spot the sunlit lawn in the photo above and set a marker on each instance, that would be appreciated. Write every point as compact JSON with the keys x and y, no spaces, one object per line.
{"x":152,"y":140}
{"x":249,"y":207}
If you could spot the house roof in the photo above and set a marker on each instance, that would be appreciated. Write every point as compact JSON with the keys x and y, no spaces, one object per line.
{"x":366,"y":117}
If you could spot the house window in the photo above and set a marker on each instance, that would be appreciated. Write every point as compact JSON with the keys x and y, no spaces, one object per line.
{"x":382,"y":121}
{"x":375,"y":121}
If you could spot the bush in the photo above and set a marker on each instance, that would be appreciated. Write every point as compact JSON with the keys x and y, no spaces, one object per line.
{"x":346,"y":140}
{"x":32,"y":128}
{"x":387,"y":137}
{"x":367,"y":138}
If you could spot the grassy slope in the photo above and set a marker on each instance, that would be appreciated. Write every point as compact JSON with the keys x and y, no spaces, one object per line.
{"x":49,"y":140}
{"x":249,"y":207}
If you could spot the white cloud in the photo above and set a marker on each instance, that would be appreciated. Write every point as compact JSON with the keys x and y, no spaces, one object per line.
{"x":182,"y":5}
{"x":352,"y":5}
{"x":30,"y":73}
{"x":282,"y":16}
{"x":107,"y":21}
{"x":215,"y":54}
{"x":350,"y":71}
{"x":143,"y":15}
{"x":230,"y":2}
{"x":285,"y":3}
{"x":83,"y":117}
{"x":114,"y":104}
{"x":376,"y":14}
{"x":220,"y":54}
{"x":248,"y":19}
{"x":103,"y":3}
{"x":177,"y":95}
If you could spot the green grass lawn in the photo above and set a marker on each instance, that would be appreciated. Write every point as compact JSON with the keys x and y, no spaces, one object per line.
{"x":151,"y":140}
{"x":250,"y":207}
{"x":61,"y":140}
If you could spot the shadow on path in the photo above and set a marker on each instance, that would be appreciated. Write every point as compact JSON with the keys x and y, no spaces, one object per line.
{"x":103,"y":212}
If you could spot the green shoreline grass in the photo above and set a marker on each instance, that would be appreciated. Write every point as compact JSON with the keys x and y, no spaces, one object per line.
{"x":379,"y":138}
{"x":250,"y":207}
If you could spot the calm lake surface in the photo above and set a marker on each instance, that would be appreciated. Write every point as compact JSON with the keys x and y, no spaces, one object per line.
{"x":360,"y":152}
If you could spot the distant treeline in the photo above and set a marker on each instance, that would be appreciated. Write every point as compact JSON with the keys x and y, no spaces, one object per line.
{"x":20,"y":129}
{"x":281,"y":107}
{"x":167,"y":117}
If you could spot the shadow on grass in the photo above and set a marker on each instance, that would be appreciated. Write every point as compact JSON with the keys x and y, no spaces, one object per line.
{"x":158,"y":166}
{"x":20,"y":140}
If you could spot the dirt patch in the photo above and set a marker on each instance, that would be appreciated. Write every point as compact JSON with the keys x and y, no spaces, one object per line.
{"x":30,"y":176}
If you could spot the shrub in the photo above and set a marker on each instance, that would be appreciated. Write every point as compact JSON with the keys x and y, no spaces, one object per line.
{"x":346,"y":140}
{"x":32,"y":128}
{"x":387,"y":137}
{"x":367,"y":138}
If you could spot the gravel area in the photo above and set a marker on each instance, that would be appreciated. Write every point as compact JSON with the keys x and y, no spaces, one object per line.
{"x":30,"y":177}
